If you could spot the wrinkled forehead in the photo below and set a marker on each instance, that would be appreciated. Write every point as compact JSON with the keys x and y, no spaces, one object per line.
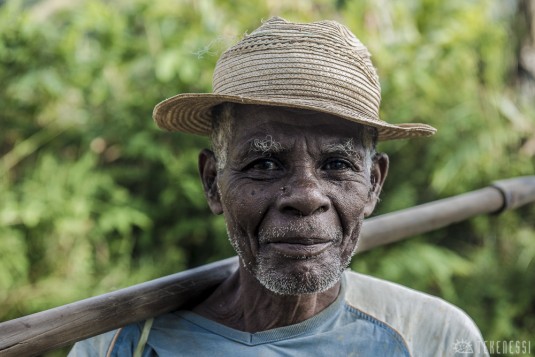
{"x":252,"y":121}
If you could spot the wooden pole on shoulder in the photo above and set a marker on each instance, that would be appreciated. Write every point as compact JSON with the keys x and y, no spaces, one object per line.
{"x":33,"y":334}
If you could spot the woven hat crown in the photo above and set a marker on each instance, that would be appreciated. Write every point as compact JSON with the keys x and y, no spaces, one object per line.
{"x":318,"y":66}
{"x":321,"y":61}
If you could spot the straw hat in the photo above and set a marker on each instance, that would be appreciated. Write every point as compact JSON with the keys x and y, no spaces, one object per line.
{"x":319,"y":66}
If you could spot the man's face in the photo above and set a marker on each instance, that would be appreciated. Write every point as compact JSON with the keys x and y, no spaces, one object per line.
{"x":294,"y":193}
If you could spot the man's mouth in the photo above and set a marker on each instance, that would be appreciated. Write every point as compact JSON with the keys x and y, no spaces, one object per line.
{"x":300,"y":248}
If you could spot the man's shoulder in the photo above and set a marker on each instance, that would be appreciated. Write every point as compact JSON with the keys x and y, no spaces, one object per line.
{"x":426,"y":323}
{"x":388,"y":299}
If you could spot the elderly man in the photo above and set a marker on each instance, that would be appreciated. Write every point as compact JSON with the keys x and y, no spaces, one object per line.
{"x":294,"y":120}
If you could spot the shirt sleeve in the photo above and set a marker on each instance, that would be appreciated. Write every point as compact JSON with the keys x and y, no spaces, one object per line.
{"x":429,"y":325}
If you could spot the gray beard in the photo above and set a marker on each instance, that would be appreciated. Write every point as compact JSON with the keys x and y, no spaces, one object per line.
{"x":326,"y":273}
{"x":325,"y":276}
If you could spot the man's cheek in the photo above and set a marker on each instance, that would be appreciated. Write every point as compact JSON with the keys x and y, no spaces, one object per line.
{"x":241,"y":228}
{"x":249,"y":204}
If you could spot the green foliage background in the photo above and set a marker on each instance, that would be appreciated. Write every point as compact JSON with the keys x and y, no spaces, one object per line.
{"x":93,"y":197}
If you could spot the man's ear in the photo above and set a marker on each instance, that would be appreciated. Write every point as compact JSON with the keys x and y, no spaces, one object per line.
{"x":208,"y":172}
{"x":378,"y":173}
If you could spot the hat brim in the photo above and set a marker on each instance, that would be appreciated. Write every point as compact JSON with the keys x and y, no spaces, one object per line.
{"x":192,"y":113}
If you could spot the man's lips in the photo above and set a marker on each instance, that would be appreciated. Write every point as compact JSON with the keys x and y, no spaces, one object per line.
{"x":301,"y":248}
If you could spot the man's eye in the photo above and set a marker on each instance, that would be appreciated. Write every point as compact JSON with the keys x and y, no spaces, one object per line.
{"x":265,"y":165}
{"x":336,"y":165}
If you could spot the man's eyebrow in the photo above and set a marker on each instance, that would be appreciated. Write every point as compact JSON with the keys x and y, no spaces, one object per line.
{"x":266,"y":146}
{"x":346,"y":147}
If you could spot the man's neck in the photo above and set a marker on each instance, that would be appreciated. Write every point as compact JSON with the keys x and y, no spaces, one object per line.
{"x":242,"y":303}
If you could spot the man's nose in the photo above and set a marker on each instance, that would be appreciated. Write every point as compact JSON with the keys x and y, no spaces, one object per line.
{"x":303,"y":195}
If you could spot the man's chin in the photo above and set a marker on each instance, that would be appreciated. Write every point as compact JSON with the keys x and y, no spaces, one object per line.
{"x":296,"y":282}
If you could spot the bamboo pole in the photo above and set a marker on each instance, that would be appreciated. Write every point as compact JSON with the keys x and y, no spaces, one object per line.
{"x":34,"y":334}
{"x":500,"y":196}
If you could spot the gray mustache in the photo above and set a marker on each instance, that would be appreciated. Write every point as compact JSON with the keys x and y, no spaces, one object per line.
{"x":292,"y":231}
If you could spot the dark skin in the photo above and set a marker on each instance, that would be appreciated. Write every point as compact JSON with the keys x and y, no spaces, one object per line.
{"x":294,"y":206}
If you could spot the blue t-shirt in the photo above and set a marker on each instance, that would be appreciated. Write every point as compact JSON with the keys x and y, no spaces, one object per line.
{"x":370,"y":317}
{"x":339,"y":329}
